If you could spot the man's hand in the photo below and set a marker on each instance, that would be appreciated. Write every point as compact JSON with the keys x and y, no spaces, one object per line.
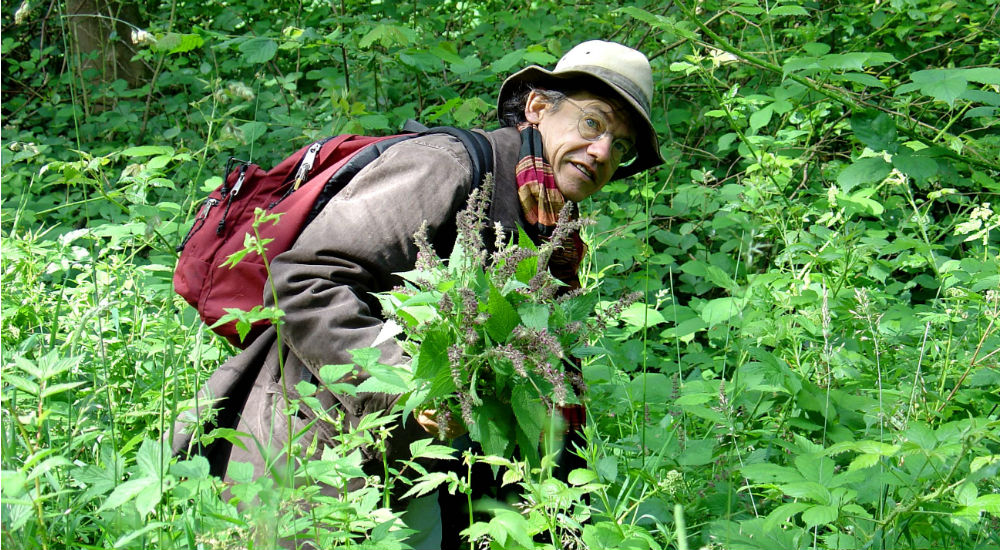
{"x":427,"y":418}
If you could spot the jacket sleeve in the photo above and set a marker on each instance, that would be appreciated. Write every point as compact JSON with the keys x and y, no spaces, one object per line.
{"x":356,"y":243}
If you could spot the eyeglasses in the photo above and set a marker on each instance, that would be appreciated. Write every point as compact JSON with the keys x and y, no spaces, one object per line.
{"x":593,"y":126}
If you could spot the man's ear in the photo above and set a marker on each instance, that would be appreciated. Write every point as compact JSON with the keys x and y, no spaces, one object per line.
{"x":534,"y":107}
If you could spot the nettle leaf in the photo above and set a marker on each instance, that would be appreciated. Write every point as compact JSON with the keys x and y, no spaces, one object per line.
{"x":258,"y":50}
{"x":534,"y":316}
{"x":492,"y":427}
{"x":433,"y":363}
{"x":503,"y":317}
{"x":531,"y":415}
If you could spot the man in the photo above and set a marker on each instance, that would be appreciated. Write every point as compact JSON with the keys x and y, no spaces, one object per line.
{"x":565,"y":134}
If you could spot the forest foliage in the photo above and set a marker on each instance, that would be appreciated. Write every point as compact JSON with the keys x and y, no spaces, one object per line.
{"x":812,"y":361}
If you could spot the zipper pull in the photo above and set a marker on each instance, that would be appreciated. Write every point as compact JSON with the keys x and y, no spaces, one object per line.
{"x":239,"y":182}
{"x":209,"y":204}
{"x":307,"y":163}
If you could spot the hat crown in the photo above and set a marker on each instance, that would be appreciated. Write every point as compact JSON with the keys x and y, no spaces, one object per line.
{"x":624,"y":66}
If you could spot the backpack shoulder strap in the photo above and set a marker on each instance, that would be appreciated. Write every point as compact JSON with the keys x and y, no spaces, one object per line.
{"x":478,"y":146}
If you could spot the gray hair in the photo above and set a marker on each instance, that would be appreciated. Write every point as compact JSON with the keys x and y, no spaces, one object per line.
{"x":512,"y":111}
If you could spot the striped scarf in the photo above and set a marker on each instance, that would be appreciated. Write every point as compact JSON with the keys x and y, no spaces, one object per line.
{"x":542,"y":201}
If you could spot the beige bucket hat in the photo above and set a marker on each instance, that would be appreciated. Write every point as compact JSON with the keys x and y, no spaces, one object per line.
{"x":622,"y":70}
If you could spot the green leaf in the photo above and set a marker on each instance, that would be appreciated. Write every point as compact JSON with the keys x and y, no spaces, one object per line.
{"x":147,"y":499}
{"x":492,"y":427}
{"x":196,"y":467}
{"x":503,"y":317}
{"x":761,"y":118}
{"x":607,"y":468}
{"x":919,"y":167}
{"x":533,"y":315}
{"x":531,"y":415}
{"x":781,"y":514}
{"x":863,"y":171}
{"x":258,"y":50}
{"x":253,"y":130}
{"x":789,"y":10}
{"x":152,"y":458}
{"x":173,"y":42}
{"x":147,"y":151}
{"x":875,"y":129}
{"x":581,"y":476}
{"x":720,"y":310}
{"x":864,"y":79}
{"x":819,"y":515}
{"x":508,"y":523}
{"x":642,"y":315}
{"x":942,"y":84}
{"x":863,"y":461}
{"x":697,"y":452}
{"x":807,"y":489}
{"x":374,"y":122}
{"x":128,"y":491}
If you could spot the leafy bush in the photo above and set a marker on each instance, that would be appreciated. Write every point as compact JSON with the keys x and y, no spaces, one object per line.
{"x":812,"y":361}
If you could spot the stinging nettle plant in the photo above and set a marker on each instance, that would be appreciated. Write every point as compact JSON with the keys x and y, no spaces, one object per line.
{"x":495,"y":339}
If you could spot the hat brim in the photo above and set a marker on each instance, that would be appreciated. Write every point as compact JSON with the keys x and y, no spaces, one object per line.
{"x":647,"y":145}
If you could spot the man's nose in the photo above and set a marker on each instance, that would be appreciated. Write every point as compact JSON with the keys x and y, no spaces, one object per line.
{"x":601,"y":148}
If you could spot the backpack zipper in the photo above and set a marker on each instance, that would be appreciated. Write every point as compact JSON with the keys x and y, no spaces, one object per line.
{"x":307,"y":163}
{"x":198,"y":221}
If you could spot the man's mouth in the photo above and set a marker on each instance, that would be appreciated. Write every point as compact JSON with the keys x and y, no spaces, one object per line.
{"x":587,"y":172}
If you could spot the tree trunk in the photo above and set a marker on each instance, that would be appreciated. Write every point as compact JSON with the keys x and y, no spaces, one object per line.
{"x":101,"y":41}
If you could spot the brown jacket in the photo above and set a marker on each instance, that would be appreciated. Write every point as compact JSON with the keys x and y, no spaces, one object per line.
{"x":324,"y":286}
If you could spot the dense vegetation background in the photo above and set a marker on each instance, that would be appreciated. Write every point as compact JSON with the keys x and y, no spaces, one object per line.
{"x":813,"y":363}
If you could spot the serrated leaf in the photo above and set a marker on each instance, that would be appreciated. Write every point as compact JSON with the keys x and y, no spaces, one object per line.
{"x":147,"y":499}
{"x":781,"y":514}
{"x":152,"y":458}
{"x":503,"y":317}
{"x":819,"y":515}
{"x":531,"y":416}
{"x":426,"y":484}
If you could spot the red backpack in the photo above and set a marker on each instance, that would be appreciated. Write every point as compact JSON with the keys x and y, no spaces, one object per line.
{"x":298,"y":188}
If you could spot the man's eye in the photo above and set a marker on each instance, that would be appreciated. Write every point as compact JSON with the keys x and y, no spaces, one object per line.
{"x":594,"y":124}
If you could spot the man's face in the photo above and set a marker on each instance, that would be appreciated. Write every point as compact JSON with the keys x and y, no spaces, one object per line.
{"x":581,"y":166}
